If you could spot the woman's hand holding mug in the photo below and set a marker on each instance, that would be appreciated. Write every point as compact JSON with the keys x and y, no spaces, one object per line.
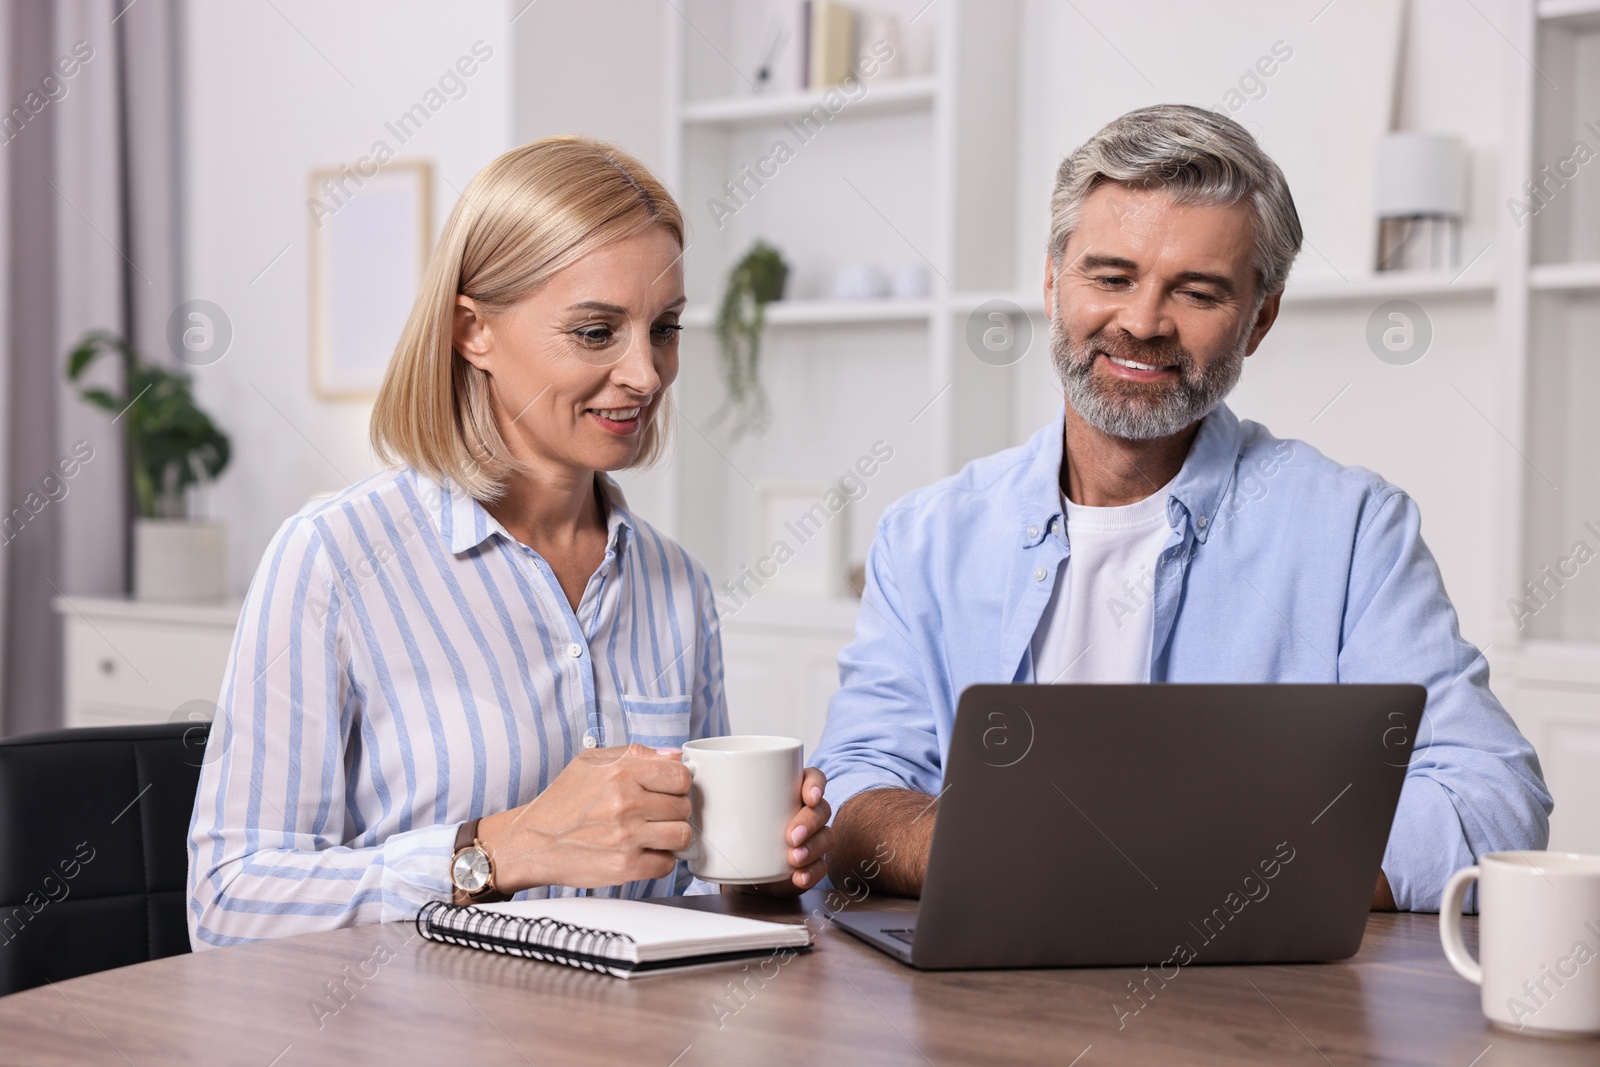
{"x":760,"y":821}
{"x":612,"y":815}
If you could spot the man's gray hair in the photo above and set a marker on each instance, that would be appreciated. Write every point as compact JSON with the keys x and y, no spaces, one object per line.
{"x":1197,"y":156}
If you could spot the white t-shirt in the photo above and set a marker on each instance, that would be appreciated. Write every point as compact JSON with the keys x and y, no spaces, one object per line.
{"x":1100,"y":620}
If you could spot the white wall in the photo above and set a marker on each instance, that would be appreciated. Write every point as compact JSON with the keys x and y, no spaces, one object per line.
{"x":561,"y":87}
{"x":595,"y":67}
{"x":273,"y":91}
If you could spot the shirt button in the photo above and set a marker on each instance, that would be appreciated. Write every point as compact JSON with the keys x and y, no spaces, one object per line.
{"x":589,"y":741}
{"x":575,"y":650}
{"x":1033,"y":531}
{"x":1039,"y":573}
{"x":1201,"y":522}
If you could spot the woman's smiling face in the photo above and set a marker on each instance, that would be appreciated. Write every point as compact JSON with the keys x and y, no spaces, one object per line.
{"x":578,"y":368}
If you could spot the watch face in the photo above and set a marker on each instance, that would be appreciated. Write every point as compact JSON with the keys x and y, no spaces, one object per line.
{"x":470,"y":870}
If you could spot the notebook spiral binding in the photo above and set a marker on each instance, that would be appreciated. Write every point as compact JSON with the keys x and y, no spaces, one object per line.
{"x":540,"y":939}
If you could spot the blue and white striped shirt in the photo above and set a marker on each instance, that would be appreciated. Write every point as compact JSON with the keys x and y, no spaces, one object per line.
{"x":403,"y":664}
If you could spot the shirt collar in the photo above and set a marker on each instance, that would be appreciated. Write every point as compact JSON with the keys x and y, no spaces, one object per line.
{"x":1196,"y":491}
{"x":1207,"y":472}
{"x":464,"y":523}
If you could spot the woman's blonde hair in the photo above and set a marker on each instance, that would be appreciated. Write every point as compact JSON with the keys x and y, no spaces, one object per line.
{"x":532,"y":212}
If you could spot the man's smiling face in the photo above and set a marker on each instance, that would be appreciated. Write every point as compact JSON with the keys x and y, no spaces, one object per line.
{"x":1154,"y":306}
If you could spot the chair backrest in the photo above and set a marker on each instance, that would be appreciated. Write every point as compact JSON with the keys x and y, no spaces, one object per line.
{"x":94,"y":827}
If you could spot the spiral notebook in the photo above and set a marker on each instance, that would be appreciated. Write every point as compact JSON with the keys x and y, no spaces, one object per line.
{"x":620,"y":937}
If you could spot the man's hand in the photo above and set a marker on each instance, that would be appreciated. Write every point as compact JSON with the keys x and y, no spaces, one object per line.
{"x":881,"y":841}
{"x":810,"y":839}
{"x":611,"y":816}
{"x":1383,"y":896}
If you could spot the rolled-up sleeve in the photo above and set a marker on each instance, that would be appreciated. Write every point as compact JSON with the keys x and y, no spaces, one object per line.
{"x":1473,"y":785}
{"x":881,"y":723}
{"x":268,"y":852}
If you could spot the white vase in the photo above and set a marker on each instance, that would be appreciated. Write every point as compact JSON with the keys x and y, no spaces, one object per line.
{"x":179,"y":560}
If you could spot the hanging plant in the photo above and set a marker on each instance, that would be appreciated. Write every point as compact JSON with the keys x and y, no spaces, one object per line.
{"x":172,"y":444}
{"x":753,"y":283}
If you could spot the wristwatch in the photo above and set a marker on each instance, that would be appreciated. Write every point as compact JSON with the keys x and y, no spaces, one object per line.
{"x":472,"y":868}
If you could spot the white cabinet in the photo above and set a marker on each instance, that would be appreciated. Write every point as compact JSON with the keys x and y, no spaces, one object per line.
{"x":1556,"y":702}
{"x":131,"y":662}
{"x":780,"y":659}
{"x":1564,"y":726}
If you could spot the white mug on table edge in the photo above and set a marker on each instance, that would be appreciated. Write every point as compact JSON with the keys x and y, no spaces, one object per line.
{"x":1538,"y":940}
{"x":746,"y":790}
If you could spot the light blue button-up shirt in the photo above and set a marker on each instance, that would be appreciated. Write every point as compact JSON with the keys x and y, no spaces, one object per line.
{"x":1282,"y":566}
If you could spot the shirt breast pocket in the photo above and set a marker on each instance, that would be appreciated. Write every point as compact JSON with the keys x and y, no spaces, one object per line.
{"x":657,"y":722}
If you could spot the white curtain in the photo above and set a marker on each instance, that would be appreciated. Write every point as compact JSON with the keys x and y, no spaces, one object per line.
{"x":7,"y":46}
{"x":90,"y":243}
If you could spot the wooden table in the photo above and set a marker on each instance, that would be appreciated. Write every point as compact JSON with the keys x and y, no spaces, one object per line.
{"x":426,"y":1003}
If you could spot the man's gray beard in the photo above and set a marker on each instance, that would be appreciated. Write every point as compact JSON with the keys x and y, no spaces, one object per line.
{"x":1139,"y":417}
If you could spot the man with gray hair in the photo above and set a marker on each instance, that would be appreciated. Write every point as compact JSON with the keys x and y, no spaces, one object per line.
{"x":1149,"y":535}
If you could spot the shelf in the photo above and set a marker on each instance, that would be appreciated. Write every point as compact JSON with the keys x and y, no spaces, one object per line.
{"x":1393,"y":286}
{"x":1399,"y":285}
{"x":967,"y":303}
{"x":1569,"y":11}
{"x":887,"y":97}
{"x":1558,"y":277}
{"x":827,"y":312}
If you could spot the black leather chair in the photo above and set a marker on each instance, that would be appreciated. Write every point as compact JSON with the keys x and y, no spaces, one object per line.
{"x":94,"y":827}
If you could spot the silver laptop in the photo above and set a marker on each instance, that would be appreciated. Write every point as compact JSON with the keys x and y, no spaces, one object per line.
{"x":1168,"y":824}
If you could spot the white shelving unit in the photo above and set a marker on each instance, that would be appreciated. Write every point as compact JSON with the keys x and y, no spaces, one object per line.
{"x":917,"y":169}
{"x":1548,"y":308}
{"x":911,"y":170}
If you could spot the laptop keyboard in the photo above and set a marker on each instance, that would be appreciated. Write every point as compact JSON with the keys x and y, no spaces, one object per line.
{"x":903,"y":936}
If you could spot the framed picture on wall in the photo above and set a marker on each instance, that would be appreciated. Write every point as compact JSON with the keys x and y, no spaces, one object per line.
{"x":798,"y":542}
{"x":370,"y":239}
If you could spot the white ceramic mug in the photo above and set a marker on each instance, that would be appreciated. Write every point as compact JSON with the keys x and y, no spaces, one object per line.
{"x":746,"y":790}
{"x":1538,"y":939}
{"x":860,"y":281}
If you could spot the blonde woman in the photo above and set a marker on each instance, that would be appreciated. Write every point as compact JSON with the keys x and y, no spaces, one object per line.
{"x":467,"y":677}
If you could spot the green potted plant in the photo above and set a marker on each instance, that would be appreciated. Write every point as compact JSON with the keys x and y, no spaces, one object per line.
{"x":753,"y":283}
{"x":171,"y":446}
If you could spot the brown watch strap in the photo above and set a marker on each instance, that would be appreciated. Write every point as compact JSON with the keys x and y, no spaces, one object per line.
{"x":465,"y":838}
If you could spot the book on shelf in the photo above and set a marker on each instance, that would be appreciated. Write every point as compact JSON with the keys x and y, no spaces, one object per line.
{"x":803,"y":45}
{"x":783,"y":66}
{"x":832,"y":43}
{"x":623,"y":938}
{"x":811,"y":44}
